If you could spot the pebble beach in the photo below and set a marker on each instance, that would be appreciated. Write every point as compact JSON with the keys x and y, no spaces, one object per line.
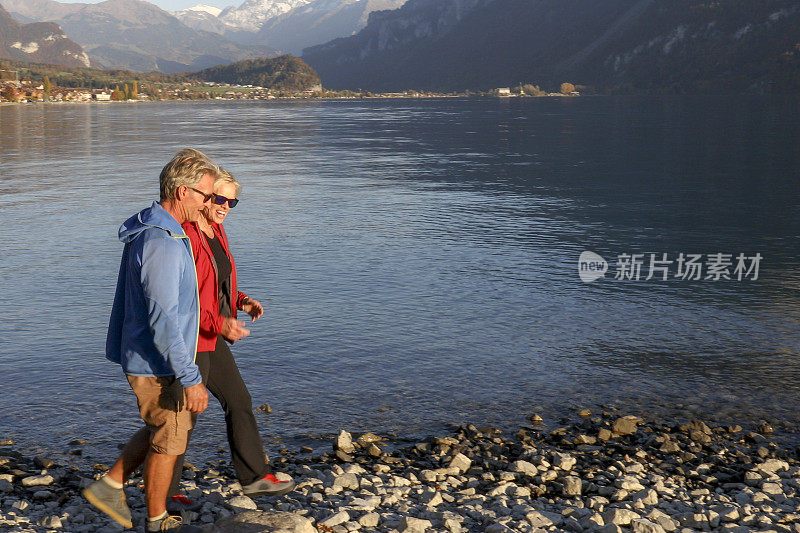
{"x":602,"y":471}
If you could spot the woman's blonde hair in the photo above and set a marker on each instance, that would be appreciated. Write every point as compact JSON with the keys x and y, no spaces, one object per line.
{"x":225,"y":177}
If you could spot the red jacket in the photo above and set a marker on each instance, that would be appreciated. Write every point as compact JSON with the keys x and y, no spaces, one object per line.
{"x":210,"y":319}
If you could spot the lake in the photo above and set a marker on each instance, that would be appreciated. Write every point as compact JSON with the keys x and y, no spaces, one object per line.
{"x":418,"y":260}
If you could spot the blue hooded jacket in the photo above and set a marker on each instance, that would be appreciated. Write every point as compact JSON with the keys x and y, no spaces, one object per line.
{"x":155,"y":318}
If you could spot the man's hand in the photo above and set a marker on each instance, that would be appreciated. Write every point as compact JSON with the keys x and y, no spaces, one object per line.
{"x":233,"y":329}
{"x":253,"y":308}
{"x":196,"y":398}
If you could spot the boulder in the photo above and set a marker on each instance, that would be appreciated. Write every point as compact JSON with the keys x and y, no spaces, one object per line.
{"x":344,"y":443}
{"x":261,"y":521}
{"x":625,"y":425}
{"x":460,"y":462}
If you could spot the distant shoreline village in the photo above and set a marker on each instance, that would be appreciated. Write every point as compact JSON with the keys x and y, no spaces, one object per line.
{"x":28,"y":91}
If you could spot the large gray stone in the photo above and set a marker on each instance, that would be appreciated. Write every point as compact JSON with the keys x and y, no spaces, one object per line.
{"x":572,"y":486}
{"x":369,"y":520}
{"x":773,"y":465}
{"x":52,"y":522}
{"x":37,"y":481}
{"x":461,"y":462}
{"x":261,"y":521}
{"x":642,"y":525}
{"x":344,"y":442}
{"x":625,"y":425}
{"x":346,"y":481}
{"x":414,"y":525}
{"x":524,"y":467}
{"x":620,"y":517}
{"x":564,"y":461}
{"x":336,"y":519}
{"x":242,"y":502}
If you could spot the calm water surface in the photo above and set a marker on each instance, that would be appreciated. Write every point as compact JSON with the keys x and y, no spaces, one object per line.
{"x":418,"y":260}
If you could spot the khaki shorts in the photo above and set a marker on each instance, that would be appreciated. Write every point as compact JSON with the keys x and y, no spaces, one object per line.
{"x":161,"y":406}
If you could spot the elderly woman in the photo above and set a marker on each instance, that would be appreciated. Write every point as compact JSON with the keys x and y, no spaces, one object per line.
{"x":219,"y":301}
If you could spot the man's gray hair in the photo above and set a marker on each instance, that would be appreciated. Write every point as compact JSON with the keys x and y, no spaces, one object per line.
{"x":187,"y":168}
{"x":225,"y":177}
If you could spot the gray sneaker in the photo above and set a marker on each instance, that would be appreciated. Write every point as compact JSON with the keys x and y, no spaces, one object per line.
{"x":170,"y":523}
{"x":268,"y":485}
{"x":109,"y":500}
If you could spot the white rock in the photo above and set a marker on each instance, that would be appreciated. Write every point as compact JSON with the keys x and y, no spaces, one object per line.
{"x":51,"y":522}
{"x":452,"y":525}
{"x":353,"y":468}
{"x":642,"y":525}
{"x":346,"y":481}
{"x":344,"y":442}
{"x":727,"y":513}
{"x":520,"y":492}
{"x":334,"y":520}
{"x":572,"y":486}
{"x":499,"y":490}
{"x":564,"y":461}
{"x":620,"y":517}
{"x":20,"y":505}
{"x":629,"y":483}
{"x":370,"y":520}
{"x":773,"y":465}
{"x":548,"y":475}
{"x":541,"y":519}
{"x":460,"y":462}
{"x":366,"y":504}
{"x":242,"y":502}
{"x":277,"y":522}
{"x":524,"y":467}
{"x":413,"y":525}
{"x":35,"y":481}
{"x":647,"y":497}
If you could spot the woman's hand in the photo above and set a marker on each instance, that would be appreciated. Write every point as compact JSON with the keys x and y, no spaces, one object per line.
{"x":253,"y":308}
{"x":233,"y":330}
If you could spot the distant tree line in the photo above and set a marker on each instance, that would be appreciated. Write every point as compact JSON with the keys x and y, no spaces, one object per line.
{"x":284,"y":73}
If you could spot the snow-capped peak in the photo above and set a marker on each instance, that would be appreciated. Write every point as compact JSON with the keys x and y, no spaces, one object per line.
{"x":252,"y":14}
{"x":211,"y":10}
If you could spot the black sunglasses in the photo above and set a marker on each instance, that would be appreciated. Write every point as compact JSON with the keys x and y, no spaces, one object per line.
{"x":206,"y":197}
{"x":220,"y":200}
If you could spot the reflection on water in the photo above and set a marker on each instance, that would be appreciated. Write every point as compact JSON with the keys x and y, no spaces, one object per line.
{"x":418,"y":259}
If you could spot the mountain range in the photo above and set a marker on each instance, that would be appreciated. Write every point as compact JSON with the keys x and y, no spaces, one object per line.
{"x":445,"y":45}
{"x":38,"y":42}
{"x":135,"y":35}
{"x":617,"y":45}
{"x":320,"y":21}
{"x":287,"y":25}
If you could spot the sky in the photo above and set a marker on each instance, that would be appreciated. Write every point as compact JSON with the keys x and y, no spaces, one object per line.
{"x":171,"y":5}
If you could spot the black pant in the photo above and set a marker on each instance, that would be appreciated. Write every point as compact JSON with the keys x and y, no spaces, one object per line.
{"x":222,"y":379}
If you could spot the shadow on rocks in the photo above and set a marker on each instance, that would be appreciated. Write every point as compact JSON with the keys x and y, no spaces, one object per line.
{"x":260,"y":521}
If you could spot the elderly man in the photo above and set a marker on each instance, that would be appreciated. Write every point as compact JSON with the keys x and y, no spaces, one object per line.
{"x":153,"y":335}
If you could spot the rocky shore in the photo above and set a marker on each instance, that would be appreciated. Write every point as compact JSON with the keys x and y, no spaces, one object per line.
{"x":602,"y":472}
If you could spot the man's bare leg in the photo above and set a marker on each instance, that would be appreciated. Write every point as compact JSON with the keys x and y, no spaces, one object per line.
{"x":132,"y":456}
{"x":158,"y":469}
{"x":107,"y":494}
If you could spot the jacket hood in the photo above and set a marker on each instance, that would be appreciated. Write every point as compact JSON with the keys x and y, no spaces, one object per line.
{"x":154,"y":216}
